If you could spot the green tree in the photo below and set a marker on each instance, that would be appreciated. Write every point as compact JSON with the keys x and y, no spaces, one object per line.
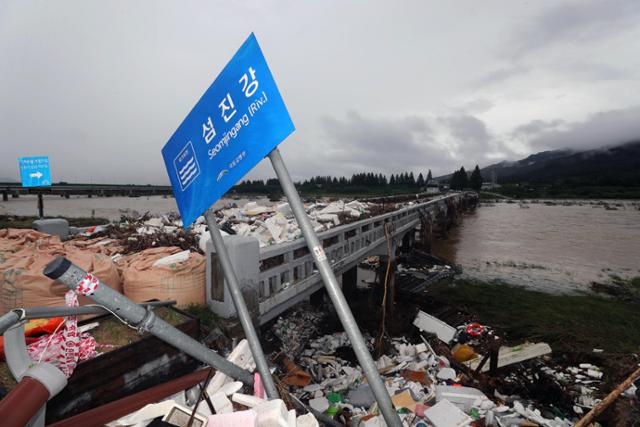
{"x":429,"y":177}
{"x":420,"y":181}
{"x":464,"y":179}
{"x":475,"y":182}
{"x":454,"y":183}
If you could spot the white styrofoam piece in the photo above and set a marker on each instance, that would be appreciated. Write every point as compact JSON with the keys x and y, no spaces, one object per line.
{"x":433,"y":325}
{"x":510,"y":355}
{"x":446,"y":414}
{"x":173,"y":259}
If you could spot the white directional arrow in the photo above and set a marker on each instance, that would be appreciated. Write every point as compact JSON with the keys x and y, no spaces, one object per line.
{"x":36,"y":175}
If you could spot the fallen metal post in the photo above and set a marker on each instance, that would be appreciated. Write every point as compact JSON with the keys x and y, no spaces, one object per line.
{"x":241,"y":306}
{"x":335,"y":293}
{"x":86,"y":284}
{"x":45,"y":312}
{"x":18,"y":314}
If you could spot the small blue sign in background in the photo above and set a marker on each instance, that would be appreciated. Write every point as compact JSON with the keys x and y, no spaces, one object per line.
{"x":236,"y":123}
{"x":35,"y":171}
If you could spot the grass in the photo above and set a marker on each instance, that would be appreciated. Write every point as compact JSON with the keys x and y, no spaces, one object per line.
{"x":571,"y":323}
{"x":13,"y":221}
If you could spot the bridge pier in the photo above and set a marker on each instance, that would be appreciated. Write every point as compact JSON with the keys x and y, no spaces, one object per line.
{"x":66,"y":194}
{"x":15,"y":195}
{"x":317,"y":298}
{"x":350,"y":283}
{"x":426,"y":232}
{"x":5,"y":196}
{"x":408,"y":241}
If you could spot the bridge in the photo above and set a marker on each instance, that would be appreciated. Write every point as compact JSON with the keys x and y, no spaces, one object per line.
{"x":276,"y":277}
{"x":15,"y":189}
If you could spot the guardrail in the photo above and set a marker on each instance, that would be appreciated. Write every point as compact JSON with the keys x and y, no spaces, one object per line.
{"x":285,"y":272}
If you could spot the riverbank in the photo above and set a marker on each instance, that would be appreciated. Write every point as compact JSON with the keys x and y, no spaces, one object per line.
{"x":569,"y":323}
{"x":557,"y":247}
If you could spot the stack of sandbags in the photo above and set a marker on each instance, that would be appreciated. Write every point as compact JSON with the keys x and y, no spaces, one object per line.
{"x":100,"y":245}
{"x":165,"y":273}
{"x":22,"y":283}
{"x":14,"y":239}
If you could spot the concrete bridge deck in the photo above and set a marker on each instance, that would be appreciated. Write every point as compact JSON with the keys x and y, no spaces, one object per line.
{"x":276,"y":277}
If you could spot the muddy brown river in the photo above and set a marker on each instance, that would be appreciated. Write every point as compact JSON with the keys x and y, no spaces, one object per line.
{"x":553,"y":248}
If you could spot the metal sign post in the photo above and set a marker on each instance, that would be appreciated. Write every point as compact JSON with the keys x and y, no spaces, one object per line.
{"x":241,"y":306}
{"x":238,"y":120}
{"x":335,"y":293}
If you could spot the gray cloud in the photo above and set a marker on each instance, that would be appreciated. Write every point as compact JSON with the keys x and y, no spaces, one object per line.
{"x":536,"y":127}
{"x":501,"y":74}
{"x":358,"y":143}
{"x":599,"y":130}
{"x":390,"y":145}
{"x":575,"y":22}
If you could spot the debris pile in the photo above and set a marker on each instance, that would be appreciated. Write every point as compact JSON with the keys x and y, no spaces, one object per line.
{"x":222,"y":402}
{"x":271,"y":224}
{"x":440,"y":380}
{"x":276,"y":224}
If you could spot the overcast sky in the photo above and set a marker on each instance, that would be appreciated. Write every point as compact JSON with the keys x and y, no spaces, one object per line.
{"x":100,"y":86}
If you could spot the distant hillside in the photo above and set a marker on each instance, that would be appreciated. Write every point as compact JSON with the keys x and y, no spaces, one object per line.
{"x":605,"y":167}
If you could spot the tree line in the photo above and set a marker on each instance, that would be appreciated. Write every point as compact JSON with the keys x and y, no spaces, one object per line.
{"x":367,"y":179}
{"x":461,"y":181}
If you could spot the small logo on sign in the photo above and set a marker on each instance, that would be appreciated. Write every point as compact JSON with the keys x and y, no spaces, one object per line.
{"x":221,"y":175}
{"x":186,"y":165}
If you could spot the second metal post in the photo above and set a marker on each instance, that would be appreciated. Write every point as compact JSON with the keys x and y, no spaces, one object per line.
{"x":241,"y":306}
{"x":335,"y":293}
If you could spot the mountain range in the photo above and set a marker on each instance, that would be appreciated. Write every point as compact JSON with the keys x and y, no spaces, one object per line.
{"x":603,"y":167}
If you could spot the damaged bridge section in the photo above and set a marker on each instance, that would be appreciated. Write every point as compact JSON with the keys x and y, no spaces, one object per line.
{"x":276,"y":277}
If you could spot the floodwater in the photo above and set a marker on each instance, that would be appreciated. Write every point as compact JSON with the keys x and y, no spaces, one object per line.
{"x":559,"y":249}
{"x":111,"y":208}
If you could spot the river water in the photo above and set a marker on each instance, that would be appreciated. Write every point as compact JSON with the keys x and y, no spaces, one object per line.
{"x":554,"y":248}
{"x":111,"y":208}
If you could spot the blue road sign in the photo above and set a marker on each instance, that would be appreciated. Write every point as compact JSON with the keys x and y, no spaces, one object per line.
{"x":35,"y":172}
{"x":236,"y":123}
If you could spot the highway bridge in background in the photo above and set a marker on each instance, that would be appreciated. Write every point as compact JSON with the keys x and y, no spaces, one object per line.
{"x":63,"y":189}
